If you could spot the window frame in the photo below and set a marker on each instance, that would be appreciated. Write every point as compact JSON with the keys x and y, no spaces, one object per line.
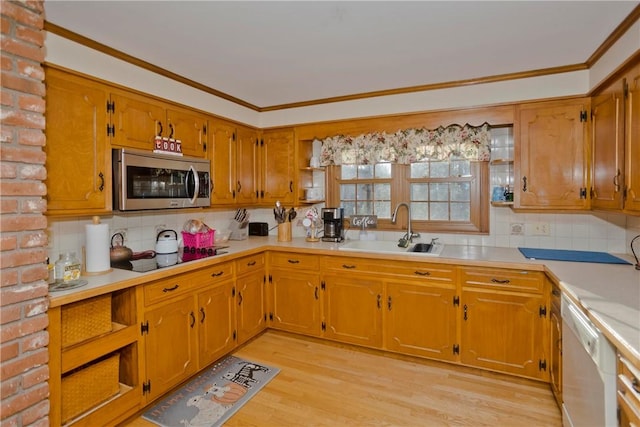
{"x":400,"y":192}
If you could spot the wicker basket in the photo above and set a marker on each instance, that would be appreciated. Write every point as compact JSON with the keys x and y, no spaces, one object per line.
{"x":89,"y":386}
{"x":86,"y":319}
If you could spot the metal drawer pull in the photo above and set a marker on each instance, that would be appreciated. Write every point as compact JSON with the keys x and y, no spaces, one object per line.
{"x":502,"y":282}
{"x":348,"y":266}
{"x":218,"y":274}
{"x":422,"y":273}
{"x":251,"y":264}
{"x":173,"y":288}
{"x":293,"y":261}
{"x":203,"y":315}
{"x":239,"y":298}
{"x":193,"y":319}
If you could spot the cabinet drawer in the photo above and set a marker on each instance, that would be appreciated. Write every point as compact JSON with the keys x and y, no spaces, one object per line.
{"x":629,"y":385}
{"x":414,"y":270}
{"x":179,"y":284}
{"x":295,"y":261}
{"x":250,"y":264}
{"x":497,"y":278}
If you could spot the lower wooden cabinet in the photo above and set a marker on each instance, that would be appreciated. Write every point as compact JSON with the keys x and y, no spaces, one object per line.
{"x":251,"y":314}
{"x":352,"y":309}
{"x":295,"y":301}
{"x":421,"y":319}
{"x":628,"y":395}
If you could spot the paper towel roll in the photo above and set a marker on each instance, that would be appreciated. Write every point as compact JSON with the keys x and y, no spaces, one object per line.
{"x":97,"y":247}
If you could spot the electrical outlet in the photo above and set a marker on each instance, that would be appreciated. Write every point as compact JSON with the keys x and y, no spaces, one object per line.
{"x":541,"y":229}
{"x":517,"y":229}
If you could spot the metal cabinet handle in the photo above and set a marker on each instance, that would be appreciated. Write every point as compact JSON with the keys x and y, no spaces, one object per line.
{"x":101,"y":176}
{"x":616,"y":181}
{"x":173,"y":288}
{"x":239,"y":298}
{"x":524,"y":184}
{"x":293,"y":261}
{"x":501,"y":282}
{"x":218,"y":274}
{"x":251,"y":264}
{"x":379,"y":301}
{"x":203,"y":315}
{"x":422,"y":273}
{"x":465,"y":312}
{"x":193,"y":319}
{"x":389,"y":303}
{"x":160,"y":132}
{"x":348,"y":266}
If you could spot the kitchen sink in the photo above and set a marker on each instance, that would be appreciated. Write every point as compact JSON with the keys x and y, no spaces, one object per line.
{"x":391,"y":247}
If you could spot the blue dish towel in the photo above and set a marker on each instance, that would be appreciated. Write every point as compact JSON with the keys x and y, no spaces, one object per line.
{"x":569,"y":255}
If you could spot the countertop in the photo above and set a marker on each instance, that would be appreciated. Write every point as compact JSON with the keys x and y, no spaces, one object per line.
{"x":609,"y":293}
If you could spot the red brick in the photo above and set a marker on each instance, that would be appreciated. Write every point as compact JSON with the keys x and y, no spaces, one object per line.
{"x":32,"y":172}
{"x":10,"y":387}
{"x":33,"y":240}
{"x":23,"y":258}
{"x":6,"y":62}
{"x":35,"y":308}
{"x":22,"y":222}
{"x":7,"y":99}
{"x":36,"y":415}
{"x":22,"y":154}
{"x":35,"y":376}
{"x":31,"y":69}
{"x":18,"y":11}
{"x":34,"y":104}
{"x":9,"y":351}
{"x":8,"y":242}
{"x":8,"y":170}
{"x":13,"y":422}
{"x":34,"y":273}
{"x":33,"y":206}
{"x":32,"y":137}
{"x":24,"y":400}
{"x":36,"y":5}
{"x":5,"y":25}
{"x":22,"y":83}
{"x":14,"y":330}
{"x":8,"y":206}
{"x":30,"y":35}
{"x":22,"y":49}
{"x":26,"y":188}
{"x":10,"y":313}
{"x":8,"y":278}
{"x":23,"y":119}
{"x":6,"y":134}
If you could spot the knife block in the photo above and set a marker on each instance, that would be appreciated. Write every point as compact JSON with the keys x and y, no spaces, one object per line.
{"x":239,"y":230}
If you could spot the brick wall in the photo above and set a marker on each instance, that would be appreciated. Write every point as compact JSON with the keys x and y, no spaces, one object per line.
{"x":23,"y":286}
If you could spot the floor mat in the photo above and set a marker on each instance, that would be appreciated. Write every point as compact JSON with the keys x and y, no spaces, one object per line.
{"x":213,"y":396}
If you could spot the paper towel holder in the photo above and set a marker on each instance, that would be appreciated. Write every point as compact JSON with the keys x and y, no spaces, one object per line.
{"x":94,"y":220}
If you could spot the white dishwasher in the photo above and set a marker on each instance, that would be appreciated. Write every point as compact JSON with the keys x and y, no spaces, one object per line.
{"x":588,"y":372}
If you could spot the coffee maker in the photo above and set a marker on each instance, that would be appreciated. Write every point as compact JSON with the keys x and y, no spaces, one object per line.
{"x":332,"y":218}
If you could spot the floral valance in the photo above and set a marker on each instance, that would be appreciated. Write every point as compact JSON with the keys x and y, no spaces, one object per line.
{"x":408,"y":146}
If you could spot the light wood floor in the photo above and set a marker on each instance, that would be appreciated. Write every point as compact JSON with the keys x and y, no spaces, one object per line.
{"x":330,"y":384}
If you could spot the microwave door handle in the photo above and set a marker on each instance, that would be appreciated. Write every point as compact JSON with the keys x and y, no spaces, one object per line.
{"x":196,"y":186}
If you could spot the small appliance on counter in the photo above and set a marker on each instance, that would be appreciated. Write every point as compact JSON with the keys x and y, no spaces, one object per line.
{"x":333,"y":228}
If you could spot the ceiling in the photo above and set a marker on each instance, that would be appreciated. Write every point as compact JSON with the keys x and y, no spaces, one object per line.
{"x":269,"y":53}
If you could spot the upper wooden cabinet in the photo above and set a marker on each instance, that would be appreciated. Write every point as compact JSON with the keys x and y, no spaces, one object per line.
{"x":607,"y":133}
{"x":551,"y":155}
{"x":138,"y":119}
{"x":234,"y":164}
{"x":276,"y":165}
{"x":632,"y":146}
{"x":78,"y":159}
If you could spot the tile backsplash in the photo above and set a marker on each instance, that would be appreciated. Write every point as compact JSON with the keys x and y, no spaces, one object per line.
{"x":593,"y":232}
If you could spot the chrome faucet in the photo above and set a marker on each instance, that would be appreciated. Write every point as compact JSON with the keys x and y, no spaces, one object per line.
{"x":408,"y":237}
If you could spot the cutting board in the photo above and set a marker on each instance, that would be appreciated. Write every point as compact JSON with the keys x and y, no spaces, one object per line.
{"x":570,"y":255}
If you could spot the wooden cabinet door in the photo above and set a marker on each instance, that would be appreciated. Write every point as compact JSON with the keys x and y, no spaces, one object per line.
{"x":295,"y":301}
{"x":170,"y":345}
{"x":555,"y":354}
{"x":551,"y":156}
{"x":247,"y":167}
{"x":191,"y":129}
{"x":420,"y":319}
{"x":216,"y":322}
{"x":504,"y":332}
{"x":223,"y":163}
{"x":78,"y":158}
{"x":607,"y":133}
{"x":632,"y":126}
{"x":353,"y":309}
{"x":137,"y":120}
{"x":250,"y":305}
{"x":277,"y":167}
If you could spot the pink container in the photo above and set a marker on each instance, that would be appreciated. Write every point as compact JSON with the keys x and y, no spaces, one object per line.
{"x":198,"y":240}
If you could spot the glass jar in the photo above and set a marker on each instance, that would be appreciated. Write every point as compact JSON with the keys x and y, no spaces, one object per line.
{"x":67,"y":268}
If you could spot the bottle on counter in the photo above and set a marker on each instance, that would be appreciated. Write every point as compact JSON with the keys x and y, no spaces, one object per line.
{"x":67,"y":268}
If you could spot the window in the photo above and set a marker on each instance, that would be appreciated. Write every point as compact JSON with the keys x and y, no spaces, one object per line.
{"x":442,"y":173}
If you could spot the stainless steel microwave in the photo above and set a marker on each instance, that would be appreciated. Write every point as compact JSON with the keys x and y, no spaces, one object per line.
{"x":147,"y":180}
